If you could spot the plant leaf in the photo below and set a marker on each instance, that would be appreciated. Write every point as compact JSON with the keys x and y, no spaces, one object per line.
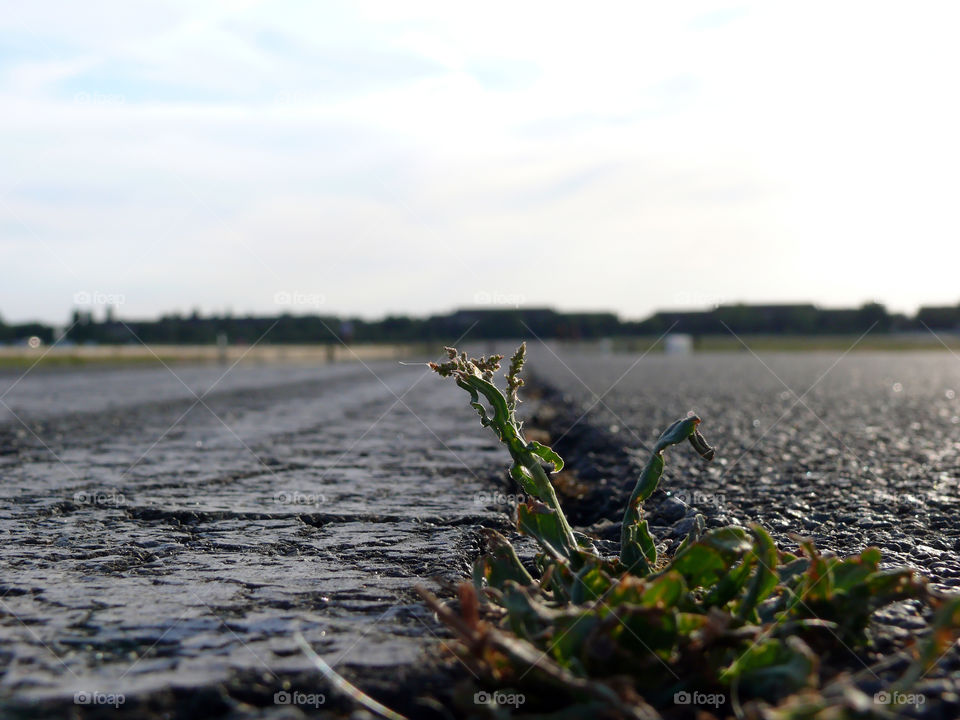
{"x":765,"y":578}
{"x":546,"y":454}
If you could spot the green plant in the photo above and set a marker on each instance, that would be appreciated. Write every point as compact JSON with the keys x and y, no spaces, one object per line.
{"x":729,"y":616}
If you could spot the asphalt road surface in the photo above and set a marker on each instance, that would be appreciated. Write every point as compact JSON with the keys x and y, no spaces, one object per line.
{"x":853,"y":449}
{"x":165,"y":532}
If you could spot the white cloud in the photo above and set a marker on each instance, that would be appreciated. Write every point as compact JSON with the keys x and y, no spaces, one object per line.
{"x":408,"y":156}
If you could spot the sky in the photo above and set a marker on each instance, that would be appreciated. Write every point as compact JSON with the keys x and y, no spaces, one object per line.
{"x":368,"y":158}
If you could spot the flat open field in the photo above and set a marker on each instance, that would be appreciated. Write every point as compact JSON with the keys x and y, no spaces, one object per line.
{"x":21,"y":358}
{"x":14,"y":358}
{"x":872,"y":342}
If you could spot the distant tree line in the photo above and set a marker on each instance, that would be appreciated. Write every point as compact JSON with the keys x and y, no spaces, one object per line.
{"x":487,"y":323}
{"x":481,"y":324}
{"x":21,"y":333}
{"x":780,"y":320}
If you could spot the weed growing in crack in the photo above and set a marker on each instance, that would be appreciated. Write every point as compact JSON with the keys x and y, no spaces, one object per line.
{"x":730,"y":624}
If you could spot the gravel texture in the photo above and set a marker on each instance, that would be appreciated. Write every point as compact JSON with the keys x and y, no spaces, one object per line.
{"x":853,"y":450}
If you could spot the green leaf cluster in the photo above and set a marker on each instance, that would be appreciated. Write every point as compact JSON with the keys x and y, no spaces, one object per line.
{"x":729,"y":614}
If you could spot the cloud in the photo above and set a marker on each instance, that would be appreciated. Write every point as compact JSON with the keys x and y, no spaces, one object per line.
{"x":406,"y":156}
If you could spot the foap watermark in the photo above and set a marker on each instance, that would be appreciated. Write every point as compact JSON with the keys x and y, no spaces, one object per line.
{"x":299,"y":299}
{"x":695,"y":498}
{"x":699,"y":699}
{"x":498,"y":298}
{"x":499,"y":697}
{"x":284,"y":697}
{"x":294,"y":497}
{"x":93,"y":697}
{"x":497,"y":498}
{"x":895,"y":697}
{"x":96,"y":297}
{"x":110,"y":498}
{"x":98,"y":98}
